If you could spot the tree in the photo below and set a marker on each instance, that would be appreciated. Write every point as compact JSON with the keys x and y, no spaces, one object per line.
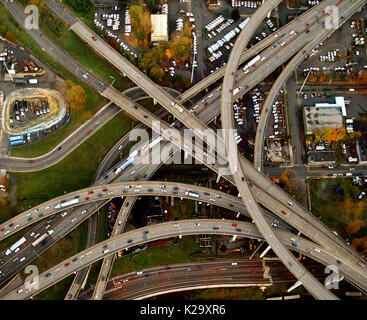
{"x":153,"y":5}
{"x":10,"y":36}
{"x":3,"y":202}
{"x":75,"y":95}
{"x":235,"y":14}
{"x":292,"y":185}
{"x":5,"y":182}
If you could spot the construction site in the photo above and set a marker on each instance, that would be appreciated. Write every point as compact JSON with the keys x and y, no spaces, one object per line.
{"x":29,"y":114}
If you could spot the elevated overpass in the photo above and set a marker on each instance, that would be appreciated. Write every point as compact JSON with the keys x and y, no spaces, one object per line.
{"x":161,"y":231}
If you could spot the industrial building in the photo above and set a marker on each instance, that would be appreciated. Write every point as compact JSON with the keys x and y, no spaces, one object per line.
{"x":159,"y":27}
{"x":324,"y":115}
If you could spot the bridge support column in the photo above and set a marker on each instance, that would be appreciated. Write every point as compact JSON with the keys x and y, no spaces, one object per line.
{"x":124,"y":74}
{"x":154,"y":101}
{"x":172,"y":201}
{"x":296,"y":285}
{"x":196,"y":207}
{"x":218,"y":178}
{"x":265,"y":251}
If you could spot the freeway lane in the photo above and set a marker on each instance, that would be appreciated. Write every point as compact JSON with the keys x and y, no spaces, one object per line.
{"x":125,"y":189}
{"x":184,"y":116}
{"x":167,"y":230}
{"x":190,"y":276}
{"x":296,"y":268}
{"x":19,"y":164}
{"x":263,"y":182}
{"x":282,"y":78}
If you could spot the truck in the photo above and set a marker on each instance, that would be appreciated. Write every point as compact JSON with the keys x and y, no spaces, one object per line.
{"x":177,"y":106}
{"x":18,"y":243}
{"x":252,"y":62}
{"x":67,"y":203}
{"x":192,"y":194}
{"x":39,"y":240}
{"x":32,"y":81}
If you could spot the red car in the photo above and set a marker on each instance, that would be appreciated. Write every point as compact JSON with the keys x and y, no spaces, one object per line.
{"x":87,"y":198}
{"x":66,"y":264}
{"x":94,"y":38}
{"x":295,"y":149}
{"x":88,"y":132}
{"x":283,"y":212}
{"x":90,"y":192}
{"x":2,"y":229}
{"x":104,"y":190}
{"x":234,"y":224}
{"x":26,"y":243}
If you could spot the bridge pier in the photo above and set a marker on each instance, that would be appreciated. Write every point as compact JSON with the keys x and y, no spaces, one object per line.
{"x":265,"y":251}
{"x":296,"y":285}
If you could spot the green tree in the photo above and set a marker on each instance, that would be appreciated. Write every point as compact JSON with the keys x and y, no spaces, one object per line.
{"x":235,"y":14}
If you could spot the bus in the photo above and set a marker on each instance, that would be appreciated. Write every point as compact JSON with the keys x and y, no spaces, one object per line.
{"x":15,"y":138}
{"x":16,"y":142}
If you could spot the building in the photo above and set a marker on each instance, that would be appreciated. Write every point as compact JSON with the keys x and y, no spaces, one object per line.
{"x":317,"y":158}
{"x":159,"y":27}
{"x":321,"y":117}
{"x":213,"y":4}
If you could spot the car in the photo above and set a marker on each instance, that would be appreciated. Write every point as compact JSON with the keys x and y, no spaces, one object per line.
{"x":47,"y":275}
{"x":67,"y":264}
{"x":104,"y":189}
{"x":215,"y":228}
{"x":88,"y":132}
{"x":238,"y":229}
{"x":90,"y":192}
{"x":317,"y":250}
{"x":87,"y":198}
{"x":19,"y":291}
{"x":295,"y":149}
{"x":75,"y":259}
{"x":234,"y":224}
{"x":26,"y":243}
{"x":94,"y":38}
{"x":129,"y":241}
{"x":292,"y":239}
{"x":294,"y":244}
{"x":146,"y":232}
{"x":290,"y":203}
{"x":234,"y":263}
{"x":283,"y":212}
{"x":196,"y":224}
{"x":99,"y":195}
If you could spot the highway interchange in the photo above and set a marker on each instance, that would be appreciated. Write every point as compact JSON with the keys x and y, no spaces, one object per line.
{"x":187,"y":118}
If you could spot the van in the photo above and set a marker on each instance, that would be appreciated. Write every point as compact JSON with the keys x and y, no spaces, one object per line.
{"x":106,"y":250}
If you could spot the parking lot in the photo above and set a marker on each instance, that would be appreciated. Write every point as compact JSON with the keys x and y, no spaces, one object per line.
{"x":340,"y":57}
